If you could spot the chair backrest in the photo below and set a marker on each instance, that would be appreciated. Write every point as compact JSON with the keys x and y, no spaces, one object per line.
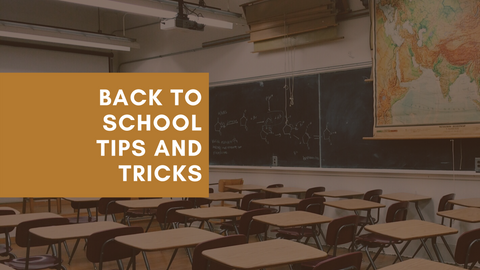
{"x":468,"y":247}
{"x":310,"y":191}
{"x":107,"y":206}
{"x":312,"y":204}
{"x":444,"y":205}
{"x":4,"y":213}
{"x":101,"y":246}
{"x":397,"y":212}
{"x":248,"y":226}
{"x":271,"y":194}
{"x":200,"y":262}
{"x":373,"y":195}
{"x":350,"y":261}
{"x":166,"y":212}
{"x":23,"y":231}
{"x":341,"y":231}
{"x":197,"y":202}
{"x":247,"y":201}
{"x":223,"y":182}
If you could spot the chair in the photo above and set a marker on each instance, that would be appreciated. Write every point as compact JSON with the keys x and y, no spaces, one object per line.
{"x":247,"y":226}
{"x":350,"y":261}
{"x":107,"y":206}
{"x":5,"y":250}
{"x":102,"y":247}
{"x":340,"y":231}
{"x":167,"y":217}
{"x":468,"y":248}
{"x":373,"y":196}
{"x":246,"y":205}
{"x":444,"y":205}
{"x":30,"y":202}
{"x":313,"y":205}
{"x":310,"y":192}
{"x":201,"y":263}
{"x":84,"y":205}
{"x":272,"y":194}
{"x":141,"y":213}
{"x":223,"y":182}
{"x":396,"y":212}
{"x":25,"y":239}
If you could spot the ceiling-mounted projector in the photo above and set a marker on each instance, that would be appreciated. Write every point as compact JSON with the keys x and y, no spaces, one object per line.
{"x":181,"y":23}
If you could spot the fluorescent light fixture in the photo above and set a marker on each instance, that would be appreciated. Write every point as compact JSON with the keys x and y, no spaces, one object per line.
{"x":166,"y":9}
{"x":136,"y":7}
{"x":65,"y":36}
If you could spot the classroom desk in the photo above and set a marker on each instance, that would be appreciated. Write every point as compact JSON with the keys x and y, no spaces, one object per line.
{"x":278,"y":201}
{"x":286,"y":190}
{"x":9,"y":208}
{"x":241,"y":188}
{"x":339,"y":194}
{"x":226,"y":196}
{"x":420,"y":264}
{"x":208,"y":213}
{"x":74,"y":231}
{"x":355,"y":205}
{"x":259,"y":255}
{"x":294,"y":219}
{"x":409,"y":230}
{"x":470,"y":202}
{"x":468,"y":214}
{"x":407,"y":197}
{"x":14,"y":220}
{"x":142,"y":204}
{"x":75,"y":199}
{"x":167,"y":239}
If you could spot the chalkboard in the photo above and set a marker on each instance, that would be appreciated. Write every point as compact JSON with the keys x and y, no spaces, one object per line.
{"x":346,"y":103}
{"x":332,"y":113}
{"x":250,"y":123}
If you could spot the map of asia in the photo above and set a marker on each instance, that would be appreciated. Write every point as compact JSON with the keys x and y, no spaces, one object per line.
{"x":427,"y":68}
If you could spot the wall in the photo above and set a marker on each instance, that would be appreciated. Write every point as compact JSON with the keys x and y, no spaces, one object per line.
{"x":235,"y":62}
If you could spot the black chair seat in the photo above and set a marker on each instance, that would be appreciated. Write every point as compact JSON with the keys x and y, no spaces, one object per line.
{"x":375,"y":240}
{"x":294,"y":233}
{"x":35,"y":262}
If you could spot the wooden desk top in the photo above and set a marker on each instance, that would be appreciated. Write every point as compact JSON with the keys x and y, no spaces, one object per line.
{"x":354,"y":204}
{"x":9,"y":208}
{"x":212,"y":212}
{"x":74,"y":231}
{"x":167,"y":239}
{"x":420,"y":264}
{"x":410,"y":229}
{"x":264,"y":254}
{"x":14,"y":220}
{"x":245,"y":187}
{"x":142,"y":204}
{"x":286,"y":190}
{"x":468,"y":214}
{"x":225,"y":196}
{"x":278,"y":201}
{"x":339,"y":193}
{"x":471,"y":202}
{"x":405,"y":197}
{"x":75,"y":199}
{"x":292,"y":218}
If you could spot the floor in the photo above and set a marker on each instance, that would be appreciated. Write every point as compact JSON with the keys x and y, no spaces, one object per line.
{"x":157,"y":260}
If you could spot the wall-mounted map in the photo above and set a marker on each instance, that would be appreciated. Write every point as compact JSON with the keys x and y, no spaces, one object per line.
{"x":427,"y":68}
